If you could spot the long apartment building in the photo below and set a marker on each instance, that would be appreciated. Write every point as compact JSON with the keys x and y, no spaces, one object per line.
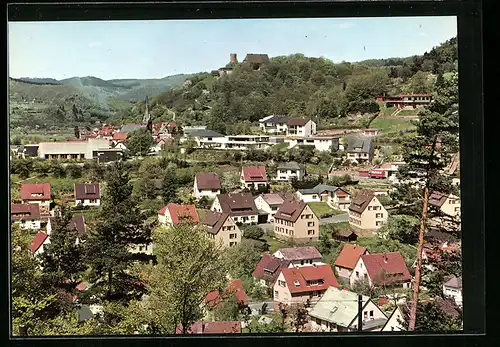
{"x":77,"y":149}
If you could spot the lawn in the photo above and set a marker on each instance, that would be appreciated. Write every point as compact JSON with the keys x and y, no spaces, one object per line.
{"x":274,"y":244}
{"x":320,"y":208}
{"x":391,"y":124}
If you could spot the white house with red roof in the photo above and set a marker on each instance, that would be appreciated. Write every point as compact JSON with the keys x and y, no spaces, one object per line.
{"x":26,"y":215}
{"x":347,"y":260}
{"x":382,"y":269}
{"x":303,"y":284}
{"x":39,"y":241}
{"x":37,"y":193}
{"x":253,"y":176}
{"x":173,"y":214}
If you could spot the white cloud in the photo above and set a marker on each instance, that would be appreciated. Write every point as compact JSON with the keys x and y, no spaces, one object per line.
{"x":346,"y":25}
{"x":95,"y":44}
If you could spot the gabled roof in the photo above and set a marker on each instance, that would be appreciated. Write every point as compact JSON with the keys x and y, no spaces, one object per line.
{"x":121,"y":136}
{"x":268,"y":268}
{"x":291,"y":165}
{"x":404,"y":311}
{"x":214,"y":221}
{"x":386,"y":268}
{"x":359,"y":144}
{"x":208,"y":180}
{"x":180,"y":213}
{"x":254,"y":173}
{"x":437,"y":199}
{"x":275,"y":119}
{"x":38,"y":241}
{"x":338,"y":306}
{"x":320,"y":188}
{"x":237,"y":204}
{"x":24,"y":211}
{"x":361,"y":202}
{"x":235,"y":287}
{"x":219,"y":327}
{"x":256,"y":58}
{"x":349,"y":256}
{"x":299,"y":253}
{"x":30,"y":190}
{"x":298,"y":121}
{"x":454,"y":282}
{"x":273,"y":199}
{"x":77,"y":223}
{"x":87,"y":191}
{"x":290,"y":210}
{"x":296,"y":278}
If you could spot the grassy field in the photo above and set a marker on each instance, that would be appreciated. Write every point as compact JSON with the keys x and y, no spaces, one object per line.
{"x":320,"y":208}
{"x":391,"y":124}
{"x":274,"y":244}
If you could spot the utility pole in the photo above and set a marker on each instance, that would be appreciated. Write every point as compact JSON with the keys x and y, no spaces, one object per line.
{"x":360,"y":312}
{"x":416,"y":283}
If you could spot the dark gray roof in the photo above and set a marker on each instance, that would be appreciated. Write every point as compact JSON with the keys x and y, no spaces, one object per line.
{"x":318,"y":189}
{"x":374,"y":323}
{"x":128,"y":128}
{"x":277,"y":119}
{"x":204,"y":133}
{"x":362,"y":144}
{"x":291,"y":165}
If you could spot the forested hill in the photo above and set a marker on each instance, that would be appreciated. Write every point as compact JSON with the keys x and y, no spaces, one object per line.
{"x":298,"y":86}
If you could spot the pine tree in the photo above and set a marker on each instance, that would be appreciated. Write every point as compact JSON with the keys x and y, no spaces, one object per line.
{"x":169,"y":186}
{"x":120,"y":226}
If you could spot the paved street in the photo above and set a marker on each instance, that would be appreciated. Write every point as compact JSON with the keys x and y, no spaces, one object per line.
{"x":332,"y":220}
{"x":257,"y":305}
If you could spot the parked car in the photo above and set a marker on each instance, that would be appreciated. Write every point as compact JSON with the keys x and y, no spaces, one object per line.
{"x":326,"y":215}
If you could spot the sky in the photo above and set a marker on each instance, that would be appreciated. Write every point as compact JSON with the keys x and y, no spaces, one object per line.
{"x":156,"y":49}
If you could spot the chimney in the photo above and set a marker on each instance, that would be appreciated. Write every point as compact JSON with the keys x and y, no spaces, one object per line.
{"x":202,"y":327}
{"x":233,"y":58}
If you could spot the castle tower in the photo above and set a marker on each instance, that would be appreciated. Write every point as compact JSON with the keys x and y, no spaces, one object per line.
{"x":233,"y":59}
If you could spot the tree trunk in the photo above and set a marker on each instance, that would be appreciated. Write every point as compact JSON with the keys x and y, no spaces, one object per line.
{"x":416,"y":283}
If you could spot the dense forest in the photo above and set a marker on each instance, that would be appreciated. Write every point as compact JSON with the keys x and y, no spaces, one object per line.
{"x":297,"y":86}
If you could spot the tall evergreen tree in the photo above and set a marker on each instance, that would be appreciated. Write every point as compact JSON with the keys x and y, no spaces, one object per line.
{"x":108,"y":248}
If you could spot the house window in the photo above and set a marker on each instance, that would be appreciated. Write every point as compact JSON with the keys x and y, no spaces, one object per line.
{"x":369,"y":208}
{"x":310,"y":224}
{"x":357,"y":273}
{"x":365,"y":276}
{"x":276,"y":294}
{"x":301,"y":262}
{"x":310,"y":232}
{"x":142,"y":248}
{"x":379,"y":223}
{"x":457,"y":209}
{"x":232,"y":236}
{"x":371,"y":314}
{"x":231,"y":244}
{"x":379,"y":215}
{"x":281,"y":283}
{"x":365,"y":315}
{"x":92,"y":201}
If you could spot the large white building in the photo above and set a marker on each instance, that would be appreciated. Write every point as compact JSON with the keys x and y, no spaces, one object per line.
{"x":78,"y":149}
{"x":320,"y":143}
{"x":287,"y":126}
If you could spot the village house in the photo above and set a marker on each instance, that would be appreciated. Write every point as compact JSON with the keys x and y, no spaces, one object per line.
{"x":296,"y":221}
{"x":452,"y":287}
{"x":300,"y":127}
{"x":221,"y":228}
{"x":76,"y":149}
{"x":336,"y":197}
{"x":240,"y":206}
{"x":382,"y":269}
{"x":26,"y":215}
{"x":174,"y":214}
{"x":403,"y":101}
{"x":366,"y":212}
{"x":269,"y":204}
{"x":274,"y":124}
{"x":449,"y":204}
{"x":302,"y":285}
{"x":206,"y":184}
{"x":218,"y":327}
{"x":40,"y":240}
{"x":203,"y":138}
{"x":395,"y":322}
{"x":300,"y":256}
{"x":359,"y":149}
{"x":88,"y":194}
{"x":25,"y":151}
{"x":289,"y":171}
{"x":37,"y":193}
{"x":320,"y":143}
{"x":253,"y":177}
{"x":346,"y":261}
{"x":283,"y":125}
{"x":268,"y":268}
{"x":344,"y":235}
{"x":234,"y":288}
{"x":337,"y":311}
{"x":76,"y":224}
{"x":371,"y":132}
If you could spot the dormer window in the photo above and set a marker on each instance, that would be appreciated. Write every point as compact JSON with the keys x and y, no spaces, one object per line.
{"x":297,"y":283}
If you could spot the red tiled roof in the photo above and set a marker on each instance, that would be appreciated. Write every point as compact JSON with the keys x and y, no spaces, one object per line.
{"x":24,"y":211}
{"x":213,"y":298}
{"x":208,"y":180}
{"x":219,"y":327}
{"x":38,"y":241}
{"x":254,"y":174}
{"x":268,"y":267}
{"x":290,"y":210}
{"x":309,"y":273}
{"x":300,"y":253}
{"x":349,"y":256}
{"x":298,"y":121}
{"x":87,"y":191}
{"x":180,"y":213}
{"x":28,"y":189}
{"x":392,"y":264}
{"x":120,"y":136}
